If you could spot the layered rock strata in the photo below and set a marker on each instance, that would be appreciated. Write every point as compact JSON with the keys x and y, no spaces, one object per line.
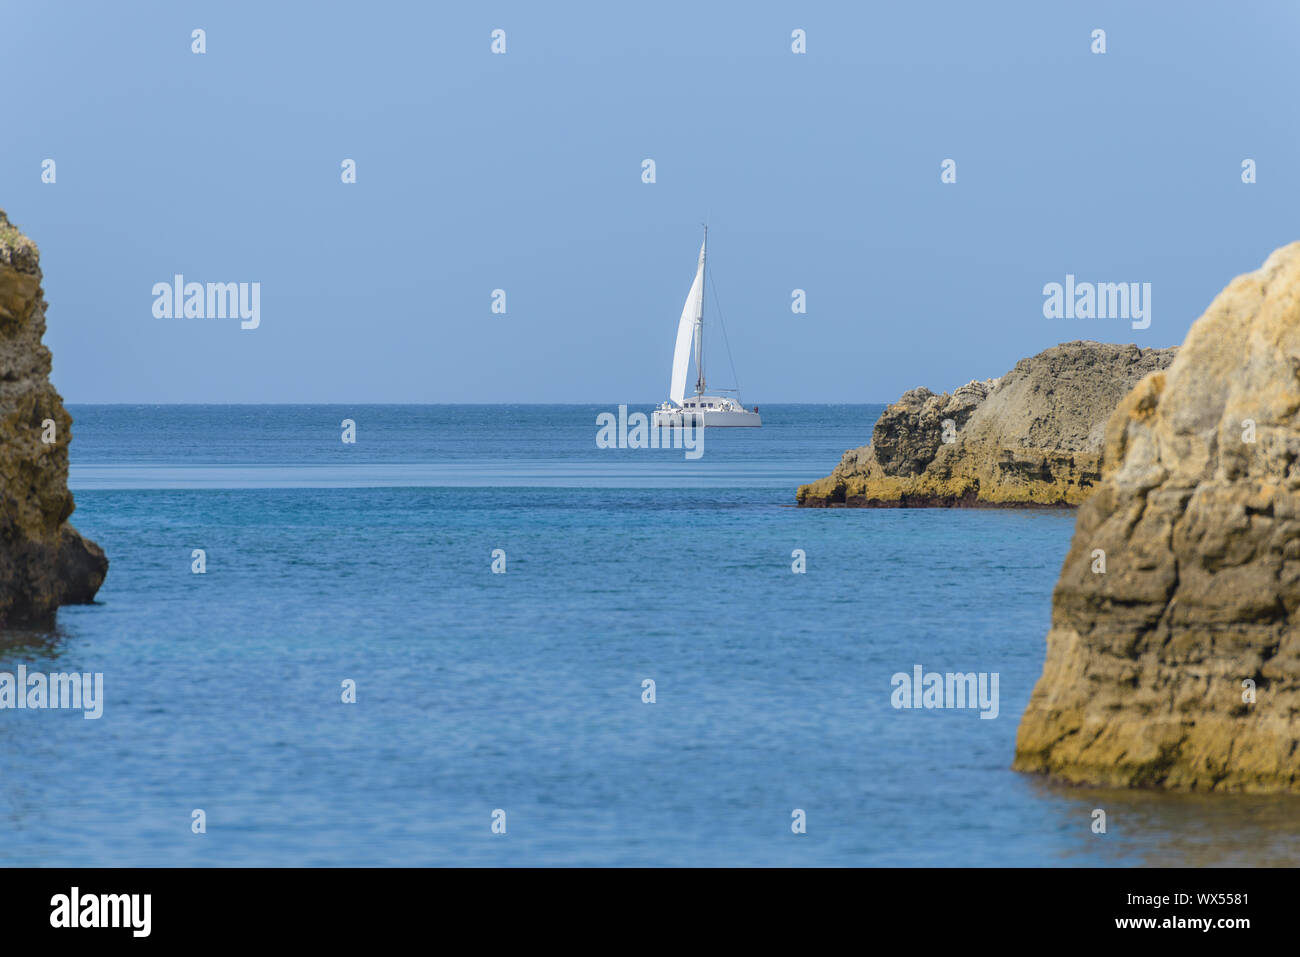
{"x":1032,"y":437}
{"x":1173,"y":659}
{"x":44,"y":561}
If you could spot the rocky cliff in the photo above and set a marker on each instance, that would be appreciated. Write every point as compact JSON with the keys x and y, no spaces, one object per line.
{"x":1032,"y":437}
{"x":44,"y":562}
{"x":1173,"y":659}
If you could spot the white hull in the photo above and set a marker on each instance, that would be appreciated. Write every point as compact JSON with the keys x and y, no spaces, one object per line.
{"x":676,"y":420}
{"x":706,"y":411}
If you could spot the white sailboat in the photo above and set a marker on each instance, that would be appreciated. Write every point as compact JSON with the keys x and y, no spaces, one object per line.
{"x":698,"y":409}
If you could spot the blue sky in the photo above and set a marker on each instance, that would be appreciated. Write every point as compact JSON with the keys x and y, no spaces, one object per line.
{"x":523,"y":172}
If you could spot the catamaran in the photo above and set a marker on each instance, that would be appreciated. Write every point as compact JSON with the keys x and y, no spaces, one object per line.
{"x":699,"y":409}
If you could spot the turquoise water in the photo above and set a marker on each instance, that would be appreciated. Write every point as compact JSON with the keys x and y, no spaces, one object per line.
{"x":522,"y":691}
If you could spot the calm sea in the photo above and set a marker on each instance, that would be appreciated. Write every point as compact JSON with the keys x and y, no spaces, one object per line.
{"x":523,"y":692}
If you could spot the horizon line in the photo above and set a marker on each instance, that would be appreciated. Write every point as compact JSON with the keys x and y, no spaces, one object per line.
{"x":486,"y":404}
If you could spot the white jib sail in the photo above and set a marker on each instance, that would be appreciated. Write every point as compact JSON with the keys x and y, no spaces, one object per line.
{"x":691,"y":316}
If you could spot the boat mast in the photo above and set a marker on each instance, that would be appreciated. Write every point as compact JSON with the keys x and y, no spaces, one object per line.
{"x":699,"y":316}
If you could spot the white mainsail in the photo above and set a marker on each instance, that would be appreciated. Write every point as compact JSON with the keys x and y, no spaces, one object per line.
{"x":700,"y":409}
{"x":687,"y":330}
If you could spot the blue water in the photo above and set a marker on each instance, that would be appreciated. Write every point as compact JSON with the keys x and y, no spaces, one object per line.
{"x":523,"y":691}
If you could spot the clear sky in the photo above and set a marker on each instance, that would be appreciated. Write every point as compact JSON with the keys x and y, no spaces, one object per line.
{"x":523,"y":172}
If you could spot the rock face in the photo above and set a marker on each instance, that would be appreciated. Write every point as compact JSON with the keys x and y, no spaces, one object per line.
{"x":44,"y":562}
{"x":1032,"y":437}
{"x":1154,"y":657}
